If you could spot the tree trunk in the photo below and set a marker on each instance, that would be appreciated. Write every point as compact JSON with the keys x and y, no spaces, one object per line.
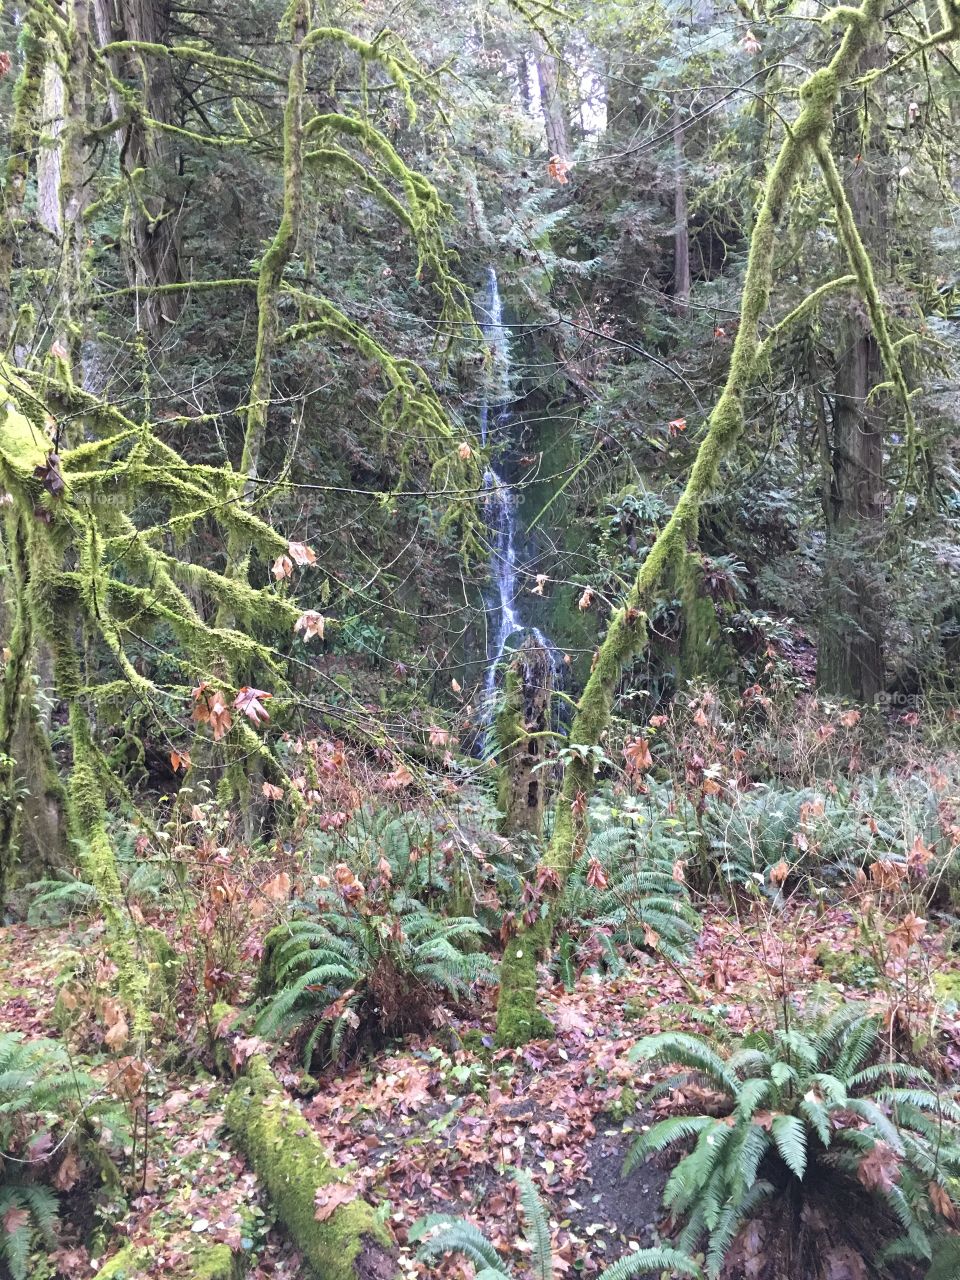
{"x":20,"y":142}
{"x":851,"y":641}
{"x":519,"y":730}
{"x":552,"y":104}
{"x":152,"y":239}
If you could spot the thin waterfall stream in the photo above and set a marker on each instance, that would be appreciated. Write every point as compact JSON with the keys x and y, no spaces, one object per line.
{"x":500,"y":502}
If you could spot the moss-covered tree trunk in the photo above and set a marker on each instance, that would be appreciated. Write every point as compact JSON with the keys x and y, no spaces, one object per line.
{"x":32,"y":797}
{"x":151,"y":240}
{"x":521,"y":730}
{"x":21,"y":144}
{"x":806,"y":140}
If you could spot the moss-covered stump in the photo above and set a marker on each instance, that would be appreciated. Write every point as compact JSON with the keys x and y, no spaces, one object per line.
{"x":215,"y":1262}
{"x":518,"y":1018}
{"x":292,"y":1164}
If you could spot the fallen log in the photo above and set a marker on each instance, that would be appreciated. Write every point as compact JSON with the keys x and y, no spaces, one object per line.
{"x":340,"y":1236}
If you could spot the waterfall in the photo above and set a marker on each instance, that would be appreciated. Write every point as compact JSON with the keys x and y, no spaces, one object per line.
{"x":500,"y":503}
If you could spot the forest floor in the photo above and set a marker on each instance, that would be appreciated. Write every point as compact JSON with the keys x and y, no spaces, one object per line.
{"x":431,"y":1127}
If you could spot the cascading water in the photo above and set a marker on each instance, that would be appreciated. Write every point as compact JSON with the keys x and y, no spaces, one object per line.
{"x":500,"y":502}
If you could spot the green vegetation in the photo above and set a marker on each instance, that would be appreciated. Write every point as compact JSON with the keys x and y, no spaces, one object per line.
{"x":479,"y":632}
{"x":813,"y":1126}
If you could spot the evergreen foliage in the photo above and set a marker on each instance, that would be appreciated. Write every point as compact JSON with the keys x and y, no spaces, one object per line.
{"x":807,"y":1114}
{"x":441,"y":1234}
{"x":47,"y":1109}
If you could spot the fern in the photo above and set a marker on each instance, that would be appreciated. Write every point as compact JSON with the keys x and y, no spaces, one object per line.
{"x":40,"y":1091}
{"x":440,"y":1234}
{"x":808,"y":1107}
{"x":624,"y":887}
{"x":380,"y":967}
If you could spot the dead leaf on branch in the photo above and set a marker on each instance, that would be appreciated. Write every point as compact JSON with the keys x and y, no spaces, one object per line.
{"x":637,"y":755}
{"x":301,"y":554}
{"x":277,"y":889}
{"x":250,"y":702}
{"x":311,"y":624}
{"x":558,"y":168}
{"x":48,"y":473}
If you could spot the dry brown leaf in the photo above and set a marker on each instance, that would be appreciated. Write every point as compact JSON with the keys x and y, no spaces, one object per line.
{"x":329,"y":1198}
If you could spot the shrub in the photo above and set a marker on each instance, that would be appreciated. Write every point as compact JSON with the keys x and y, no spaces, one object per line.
{"x":442,"y":1234}
{"x":813,"y":1139}
{"x":46,"y":1106}
{"x":365,"y":966}
{"x":628,"y":892}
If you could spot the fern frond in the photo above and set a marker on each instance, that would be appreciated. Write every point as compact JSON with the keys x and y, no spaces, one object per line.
{"x":537,"y":1226}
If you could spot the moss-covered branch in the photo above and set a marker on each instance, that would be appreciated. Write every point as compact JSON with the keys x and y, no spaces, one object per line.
{"x":280,"y":249}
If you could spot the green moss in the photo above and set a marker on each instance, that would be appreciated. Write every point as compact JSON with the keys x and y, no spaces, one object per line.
{"x":128,"y":1264}
{"x":848,"y":968}
{"x":518,"y":1019}
{"x":292,"y":1164}
{"x":947,"y":987}
{"x":213,"y":1262}
{"x":623,"y":1107}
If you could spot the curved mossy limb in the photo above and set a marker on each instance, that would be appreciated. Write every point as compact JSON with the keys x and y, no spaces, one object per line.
{"x":292,"y":1164}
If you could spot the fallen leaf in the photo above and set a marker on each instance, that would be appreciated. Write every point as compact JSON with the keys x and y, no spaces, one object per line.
{"x":879,"y":1170}
{"x":330,"y":1197}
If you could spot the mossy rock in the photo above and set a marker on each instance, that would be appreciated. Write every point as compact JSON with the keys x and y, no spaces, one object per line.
{"x":623,"y":1107}
{"x":214,"y":1262}
{"x":293,"y":1165}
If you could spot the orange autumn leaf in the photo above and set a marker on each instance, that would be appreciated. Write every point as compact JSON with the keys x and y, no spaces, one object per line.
{"x":277,"y":889}
{"x":637,"y":755}
{"x":596,"y":876}
{"x":250,"y":702}
{"x":311,"y":624}
{"x":558,"y":168}
{"x":282,"y":568}
{"x":940,"y":1199}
